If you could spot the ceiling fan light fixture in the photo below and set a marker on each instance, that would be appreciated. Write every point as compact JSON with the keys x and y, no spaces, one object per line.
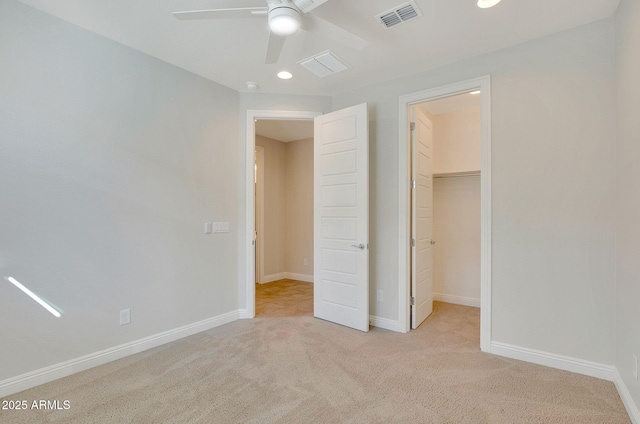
{"x":284,"y":21}
{"x":485,"y":4}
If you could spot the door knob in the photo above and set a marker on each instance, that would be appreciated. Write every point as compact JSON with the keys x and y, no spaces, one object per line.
{"x":358,"y":246}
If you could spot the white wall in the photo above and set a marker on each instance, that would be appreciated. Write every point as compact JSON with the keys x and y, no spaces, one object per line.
{"x":288,"y":208}
{"x":456,"y":141}
{"x":456,"y":206}
{"x":111,"y":162}
{"x":456,"y":229}
{"x":274,"y":235}
{"x":553,"y":224}
{"x":299,"y":187}
{"x":628,"y":195}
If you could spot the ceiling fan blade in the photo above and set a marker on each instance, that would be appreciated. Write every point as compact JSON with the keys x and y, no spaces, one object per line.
{"x":308,"y":5}
{"x":232,"y":13}
{"x":333,"y":32}
{"x":274,"y":48}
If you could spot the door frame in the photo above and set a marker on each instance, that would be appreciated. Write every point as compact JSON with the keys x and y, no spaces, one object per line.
{"x":250,"y":145}
{"x":404,"y":229}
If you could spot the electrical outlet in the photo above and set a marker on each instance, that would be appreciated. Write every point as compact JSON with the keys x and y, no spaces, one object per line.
{"x":635,"y":366}
{"x":125,"y":316}
{"x":380,"y":296}
{"x":305,"y":261}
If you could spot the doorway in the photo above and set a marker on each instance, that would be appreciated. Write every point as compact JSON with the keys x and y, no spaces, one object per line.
{"x":284,"y":217}
{"x":341,"y":211}
{"x":445,"y":163}
{"x":405,"y":187}
{"x":250,"y":174}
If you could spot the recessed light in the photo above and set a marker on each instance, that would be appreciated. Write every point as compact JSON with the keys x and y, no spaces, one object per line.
{"x":485,"y":4}
{"x":252,"y":85}
{"x":285,"y":75}
{"x":475,"y":92}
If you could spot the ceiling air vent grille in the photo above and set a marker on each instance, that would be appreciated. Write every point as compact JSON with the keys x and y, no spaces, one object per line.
{"x":324,"y":64}
{"x":399,"y":14}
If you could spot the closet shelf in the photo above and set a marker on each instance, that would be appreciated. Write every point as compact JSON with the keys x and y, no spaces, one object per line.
{"x":457,"y":174}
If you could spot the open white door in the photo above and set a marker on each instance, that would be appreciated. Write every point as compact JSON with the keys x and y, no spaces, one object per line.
{"x":341,"y":217}
{"x":421,"y":217}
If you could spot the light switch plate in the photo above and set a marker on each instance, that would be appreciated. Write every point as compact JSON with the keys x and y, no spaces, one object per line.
{"x":220,"y":227}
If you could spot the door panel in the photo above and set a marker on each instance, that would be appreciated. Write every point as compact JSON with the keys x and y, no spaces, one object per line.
{"x":341,"y":217}
{"x":422,"y":218}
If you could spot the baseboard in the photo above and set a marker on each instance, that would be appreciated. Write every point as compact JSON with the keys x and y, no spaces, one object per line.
{"x":627,"y":399}
{"x":300,"y":277}
{"x":35,"y":378}
{"x":274,"y":277}
{"x":244,"y":314}
{"x":457,"y":300}
{"x":386,"y":323}
{"x":566,"y":363}
{"x":287,"y":275}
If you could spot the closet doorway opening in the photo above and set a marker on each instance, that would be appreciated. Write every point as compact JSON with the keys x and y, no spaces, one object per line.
{"x":283,"y":177}
{"x":445,"y":202}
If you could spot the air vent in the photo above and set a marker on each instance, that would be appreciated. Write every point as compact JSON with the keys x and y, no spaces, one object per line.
{"x":399,"y":14}
{"x":324,"y":64}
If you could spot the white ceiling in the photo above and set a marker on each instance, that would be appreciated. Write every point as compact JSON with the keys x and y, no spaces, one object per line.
{"x":231,"y":52}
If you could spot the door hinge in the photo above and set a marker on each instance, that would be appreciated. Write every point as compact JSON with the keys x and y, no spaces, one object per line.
{"x":413,"y":301}
{"x":413,"y":183}
{"x":413,"y":242}
{"x":412,"y":126}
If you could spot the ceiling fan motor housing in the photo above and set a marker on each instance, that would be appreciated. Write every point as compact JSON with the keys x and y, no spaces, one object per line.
{"x":284,"y":20}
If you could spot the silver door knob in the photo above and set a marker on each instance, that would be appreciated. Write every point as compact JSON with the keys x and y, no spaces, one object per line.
{"x":358,"y":246}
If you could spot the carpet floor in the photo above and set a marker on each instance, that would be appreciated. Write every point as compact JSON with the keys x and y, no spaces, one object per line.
{"x":299,"y":369}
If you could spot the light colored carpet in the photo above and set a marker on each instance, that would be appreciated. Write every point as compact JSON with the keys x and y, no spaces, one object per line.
{"x":305,"y":370}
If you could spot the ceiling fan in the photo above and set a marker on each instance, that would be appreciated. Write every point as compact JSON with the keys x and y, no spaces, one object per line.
{"x":285,"y":18}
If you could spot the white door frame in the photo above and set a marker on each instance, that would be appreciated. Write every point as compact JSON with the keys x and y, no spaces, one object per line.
{"x":250,"y":145}
{"x":404,"y":230}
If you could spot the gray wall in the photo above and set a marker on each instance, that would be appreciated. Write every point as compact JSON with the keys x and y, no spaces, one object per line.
{"x":628,"y":204}
{"x":111,"y":162}
{"x":553,"y":160}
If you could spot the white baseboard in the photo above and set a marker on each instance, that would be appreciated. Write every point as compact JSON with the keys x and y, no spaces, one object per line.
{"x":627,"y":399}
{"x":386,"y":323}
{"x":287,"y":275}
{"x":244,"y":314}
{"x":567,"y":363}
{"x":35,"y":378}
{"x":274,"y":277}
{"x":457,"y":300}
{"x":300,"y":277}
